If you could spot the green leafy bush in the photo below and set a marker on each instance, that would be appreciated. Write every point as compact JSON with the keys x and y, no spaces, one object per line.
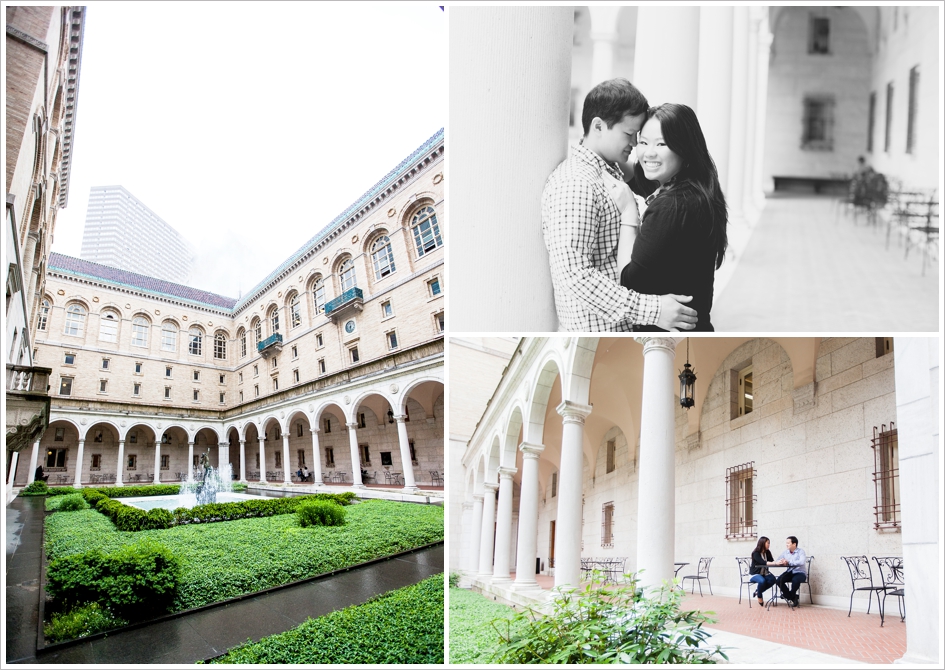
{"x":239,"y":487}
{"x":62,"y":490}
{"x":137,"y":579}
{"x":81,"y":621}
{"x":72,"y":503}
{"x":37,"y":488}
{"x":320,"y":513}
{"x":473,"y":638}
{"x":400,"y":627}
{"x":608,"y":624}
{"x":454,"y":579}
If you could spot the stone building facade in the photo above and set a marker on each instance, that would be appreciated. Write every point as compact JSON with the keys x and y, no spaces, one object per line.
{"x":585,"y":451}
{"x":334,"y":361}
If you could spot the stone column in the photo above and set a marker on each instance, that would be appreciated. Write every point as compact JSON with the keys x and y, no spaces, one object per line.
{"x":262,"y":460}
{"x":487,"y":535}
{"x":119,"y":480}
{"x":34,"y":459}
{"x":355,"y":455}
{"x":223,"y":456}
{"x":190,"y":461}
{"x":316,"y":458}
{"x":157,"y":462}
{"x":465,"y":539}
{"x":410,"y":484}
{"x":11,"y":475}
{"x":763,"y":43}
{"x":243,"y":461}
{"x":676,"y":77}
{"x":475,"y":534}
{"x":525,"y":73}
{"x":503,"y":529}
{"x":286,"y":464}
{"x":715,"y":84}
{"x":604,"y":34}
{"x":570,"y":494}
{"x":735,"y":196}
{"x":528,"y":518}
{"x":78,"y":464}
{"x":656,"y":516}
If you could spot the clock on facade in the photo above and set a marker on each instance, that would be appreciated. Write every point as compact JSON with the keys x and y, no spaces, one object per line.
{"x":349,"y":326}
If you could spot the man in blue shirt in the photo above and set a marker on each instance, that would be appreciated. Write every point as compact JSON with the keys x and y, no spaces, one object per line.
{"x":794,"y":557}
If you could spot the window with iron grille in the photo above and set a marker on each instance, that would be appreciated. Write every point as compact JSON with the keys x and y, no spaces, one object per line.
{"x":611,"y":455}
{"x":607,"y":525}
{"x":554,"y":484}
{"x":886,"y":476}
{"x":818,"y":36}
{"x":818,"y":123}
{"x":913,"y":108}
{"x":740,"y":501}
{"x":890,"y":89}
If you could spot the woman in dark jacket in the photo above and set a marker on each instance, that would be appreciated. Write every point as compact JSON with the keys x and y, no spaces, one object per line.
{"x":761,"y":558}
{"x":682,"y":239}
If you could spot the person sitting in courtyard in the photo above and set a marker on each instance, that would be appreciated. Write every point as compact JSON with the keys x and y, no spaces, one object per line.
{"x":39,"y":475}
{"x":760,"y":560}
{"x":796,"y":559}
{"x":304,"y":474}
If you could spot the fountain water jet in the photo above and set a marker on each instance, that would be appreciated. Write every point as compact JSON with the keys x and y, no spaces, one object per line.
{"x":211,"y":482}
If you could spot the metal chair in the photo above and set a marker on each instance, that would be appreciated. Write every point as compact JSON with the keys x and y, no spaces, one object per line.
{"x":862,"y":573}
{"x":435,"y":478}
{"x":701,"y":573}
{"x":893,"y":575}
{"x":744,"y":573}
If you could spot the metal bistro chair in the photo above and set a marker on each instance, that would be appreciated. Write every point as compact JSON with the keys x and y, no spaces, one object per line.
{"x":701,"y":573}
{"x":435,"y":478}
{"x":744,"y":573}
{"x":861,"y":577}
{"x":893,"y":575}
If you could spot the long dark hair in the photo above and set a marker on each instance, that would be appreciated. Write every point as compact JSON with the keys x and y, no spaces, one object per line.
{"x":698,"y":177}
{"x":760,"y":548}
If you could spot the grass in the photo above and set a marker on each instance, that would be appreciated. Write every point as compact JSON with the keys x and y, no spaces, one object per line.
{"x":473,"y":639}
{"x":401,"y":627}
{"x":227,"y":559}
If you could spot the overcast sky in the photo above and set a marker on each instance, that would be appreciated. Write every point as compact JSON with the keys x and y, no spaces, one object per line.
{"x":249,"y":126}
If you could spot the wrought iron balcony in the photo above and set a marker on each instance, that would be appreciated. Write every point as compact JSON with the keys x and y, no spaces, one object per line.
{"x":271,"y":345}
{"x":27,"y":405}
{"x":352,"y":299}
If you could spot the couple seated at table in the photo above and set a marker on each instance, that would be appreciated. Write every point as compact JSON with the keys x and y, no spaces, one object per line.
{"x":793,"y":558}
{"x":303,"y":474}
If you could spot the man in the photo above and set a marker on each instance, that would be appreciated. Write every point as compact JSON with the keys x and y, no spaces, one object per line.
{"x":794,"y":557}
{"x":305,"y":473}
{"x":581,"y":223}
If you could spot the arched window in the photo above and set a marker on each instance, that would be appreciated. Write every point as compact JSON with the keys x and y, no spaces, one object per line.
{"x":383,"y":257}
{"x":318,"y":295}
{"x":219,"y":346}
{"x":195,"y":344}
{"x":426,"y":231}
{"x":348,"y":278}
{"x":75,"y":320}
{"x":274,"y":321}
{"x":241,"y":336}
{"x":295,"y":312}
{"x":139,"y":331}
{"x":43,"y":316}
{"x":108,"y":327}
{"x":168,"y":336}
{"x":257,"y":332}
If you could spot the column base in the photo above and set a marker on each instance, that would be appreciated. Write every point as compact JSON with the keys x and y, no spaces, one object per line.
{"x":318,"y":483}
{"x":502,"y":580}
{"x":525,"y":586}
{"x":356,"y":486}
{"x":411,"y":489}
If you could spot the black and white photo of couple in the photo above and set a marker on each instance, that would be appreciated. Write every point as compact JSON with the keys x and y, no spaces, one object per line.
{"x":623,"y":168}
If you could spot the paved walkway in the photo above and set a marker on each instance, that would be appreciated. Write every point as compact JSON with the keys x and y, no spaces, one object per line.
{"x":199,"y":635}
{"x":807,"y":269}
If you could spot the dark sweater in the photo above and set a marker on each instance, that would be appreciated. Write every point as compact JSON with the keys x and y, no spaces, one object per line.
{"x":672,"y":253}
{"x":759,"y":561}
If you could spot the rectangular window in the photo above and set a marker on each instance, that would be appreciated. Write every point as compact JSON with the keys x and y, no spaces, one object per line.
{"x":132,"y":461}
{"x":133,"y":437}
{"x":890,"y":89}
{"x":321,"y":366}
{"x":413,"y":452}
{"x":256,"y":390}
{"x":70,"y":359}
{"x":386,"y":458}
{"x":137,"y":368}
{"x":196,"y":395}
{"x":196,"y":375}
{"x":746,"y":396}
{"x":241,"y":378}
{"x":818,"y":36}
{"x":222,"y":398}
{"x":275,"y":383}
{"x":165,"y":461}
{"x":611,"y":455}
{"x":439,"y":321}
{"x":65,"y":386}
{"x":167,"y":371}
{"x":365,"y":454}
{"x":818,"y":123}
{"x":913,"y":109}
{"x":299,"y":429}
{"x":329,"y":457}
{"x":295,"y":352}
{"x":886,"y":477}
{"x":56,"y":458}
{"x":96,"y":462}
{"x":607,"y":525}
{"x":60,"y":435}
{"x":319,"y":342}
{"x":354,"y":354}
{"x":554,"y":484}
{"x":295,"y":375}
{"x":434,"y":286}
{"x":167,"y":392}
{"x":278,"y":456}
{"x":102,"y":385}
{"x":327,"y":425}
{"x":300,"y":454}
{"x":241,"y":396}
{"x":255,"y":371}
{"x":137,"y":389}
{"x":392,"y":340}
{"x":274,"y":363}
{"x":361,"y":422}
{"x":223,"y":379}
{"x":104,"y":363}
{"x":740,"y":501}
{"x":871,"y":123}
{"x":386,"y":309}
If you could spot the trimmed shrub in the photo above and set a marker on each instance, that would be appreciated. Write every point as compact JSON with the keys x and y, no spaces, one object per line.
{"x":82,"y":621}
{"x":454,"y":579}
{"x":37,"y":488}
{"x":62,"y":490}
{"x":72,"y":503}
{"x":321,"y":513}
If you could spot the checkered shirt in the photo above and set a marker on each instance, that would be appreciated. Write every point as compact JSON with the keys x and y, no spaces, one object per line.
{"x":581,"y":226}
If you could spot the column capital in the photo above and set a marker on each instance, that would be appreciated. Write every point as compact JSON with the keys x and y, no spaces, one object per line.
{"x":507,"y":473}
{"x":651,"y":343}
{"x":400,"y":418}
{"x":121,"y":442}
{"x":573,"y":412}
{"x":478,"y":497}
{"x":467,"y":505}
{"x":492,"y":486}
{"x":353,"y":425}
{"x":243,"y":443}
{"x":191,"y":443}
{"x":315,"y":431}
{"x":81,"y":440}
{"x":531,"y":449}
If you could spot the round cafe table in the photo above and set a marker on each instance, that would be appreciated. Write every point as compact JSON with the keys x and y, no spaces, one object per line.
{"x":775,"y":590}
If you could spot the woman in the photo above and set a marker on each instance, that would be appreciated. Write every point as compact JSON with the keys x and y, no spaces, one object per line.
{"x":761,"y":558}
{"x":682,"y":239}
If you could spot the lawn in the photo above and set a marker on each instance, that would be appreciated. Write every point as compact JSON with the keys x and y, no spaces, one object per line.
{"x":473,"y":639}
{"x":227,"y":559}
{"x":401,"y":627}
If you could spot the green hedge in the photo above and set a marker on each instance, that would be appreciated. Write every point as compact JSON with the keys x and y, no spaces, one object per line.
{"x":121,"y":491}
{"x":36,"y":488}
{"x":320,"y":513}
{"x":403,"y":626}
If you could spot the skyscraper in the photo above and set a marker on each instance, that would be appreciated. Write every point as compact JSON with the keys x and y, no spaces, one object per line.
{"x":122,"y":232}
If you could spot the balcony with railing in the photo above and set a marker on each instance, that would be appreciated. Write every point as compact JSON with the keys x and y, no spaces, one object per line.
{"x":350,"y":300}
{"x":27,"y":405}
{"x":270,"y":346}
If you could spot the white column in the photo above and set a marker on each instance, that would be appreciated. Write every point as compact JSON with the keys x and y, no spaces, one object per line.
{"x":525,"y":73}
{"x":316,"y":458}
{"x":78,"y":464}
{"x":715,"y":84}
{"x":410,"y":484}
{"x":528,"y":518}
{"x":570,"y":494}
{"x":675,"y":76}
{"x":604,"y":34}
{"x":487,"y":536}
{"x":465,"y":539}
{"x":752,"y":139}
{"x":736,"y":167}
{"x":11,"y":475}
{"x":262,"y":460}
{"x":157,"y":462}
{"x":34,"y":459}
{"x":286,"y":464}
{"x":243,"y":461}
{"x":503,"y":528}
{"x":121,"y":458}
{"x":918,"y":404}
{"x":355,"y":455}
{"x":761,"y":104}
{"x":223,"y":455}
{"x":656,"y":505}
{"x":190,"y":461}
{"x":475,"y":534}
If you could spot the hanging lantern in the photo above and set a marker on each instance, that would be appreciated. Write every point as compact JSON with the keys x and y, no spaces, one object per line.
{"x":687,"y":383}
